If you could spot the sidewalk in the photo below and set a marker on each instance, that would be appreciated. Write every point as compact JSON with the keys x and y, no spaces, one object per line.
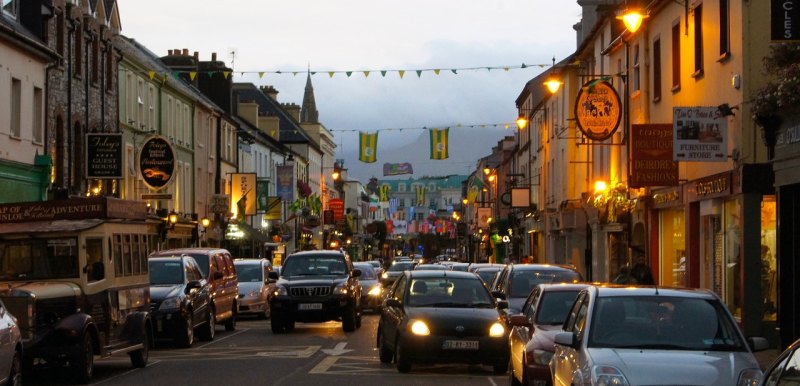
{"x":766,"y":357}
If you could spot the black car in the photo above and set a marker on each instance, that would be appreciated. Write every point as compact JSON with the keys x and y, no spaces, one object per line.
{"x":442,"y":317}
{"x":315,"y":287}
{"x":179,"y":300}
{"x":395,"y":270}
{"x":516,"y":281}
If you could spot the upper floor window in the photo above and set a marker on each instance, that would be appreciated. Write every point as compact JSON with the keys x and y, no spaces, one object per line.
{"x":10,"y":7}
{"x":676,"y":56}
{"x":657,"y":70}
{"x":401,"y":187}
{"x":636,"y":67}
{"x":698,"y":41}
{"x":16,"y":107}
{"x":78,"y":63}
{"x":724,"y":29}
{"x":432,"y":187}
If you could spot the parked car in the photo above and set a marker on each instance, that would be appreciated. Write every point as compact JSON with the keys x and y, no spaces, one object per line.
{"x":517,"y":280}
{"x":371,"y":289}
{"x":180,"y":300}
{"x":217,"y":267}
{"x":255,"y":286}
{"x":315,"y":287}
{"x":475,"y":266}
{"x":395,"y":270}
{"x":442,"y":317}
{"x":463,"y":267}
{"x":617,"y":335}
{"x":430,"y":267}
{"x":533,"y":331}
{"x":488,"y":274}
{"x":785,"y":369}
{"x":10,"y":349}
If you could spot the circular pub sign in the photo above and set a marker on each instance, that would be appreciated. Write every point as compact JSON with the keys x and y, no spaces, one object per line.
{"x":156,"y":162}
{"x":598,"y":110}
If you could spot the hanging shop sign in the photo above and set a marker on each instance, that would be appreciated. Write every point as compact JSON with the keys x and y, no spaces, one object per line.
{"x":651,"y":156}
{"x":156,"y":162}
{"x":785,"y":20}
{"x":337,"y":206}
{"x":598,"y":110}
{"x":700,"y":134}
{"x":243,"y":194}
{"x":104,"y":155}
{"x":285,"y":182}
{"x":716,"y":186}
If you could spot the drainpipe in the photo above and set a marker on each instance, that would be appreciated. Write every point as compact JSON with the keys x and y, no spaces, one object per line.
{"x":68,"y":176}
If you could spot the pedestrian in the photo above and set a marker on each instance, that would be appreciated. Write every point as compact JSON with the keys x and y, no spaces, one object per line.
{"x":624,"y":276}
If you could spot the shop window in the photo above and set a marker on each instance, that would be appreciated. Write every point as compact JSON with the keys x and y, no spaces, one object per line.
{"x":673,"y":248}
{"x":769,"y":267}
{"x":733,"y":257}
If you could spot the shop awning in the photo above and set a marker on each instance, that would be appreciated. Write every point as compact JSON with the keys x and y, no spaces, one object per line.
{"x":48,"y":226}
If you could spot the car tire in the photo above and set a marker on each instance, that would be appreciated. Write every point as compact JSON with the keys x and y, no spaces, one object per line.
{"x":186,"y":337}
{"x":139,"y":357}
{"x":401,"y":360}
{"x":83,"y":360}
{"x":278,"y":324}
{"x":230,"y":324}
{"x":15,"y":375}
{"x":349,"y":319}
{"x":209,"y":329}
{"x":288,"y":325}
{"x":500,"y":368}
{"x":384,"y":353}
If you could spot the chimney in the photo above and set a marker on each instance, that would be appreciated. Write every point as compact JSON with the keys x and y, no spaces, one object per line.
{"x":196,"y":56}
{"x":292,"y":109}
{"x":213,"y":56}
{"x":176,"y":51}
{"x":270,"y":92}
{"x":185,"y":52}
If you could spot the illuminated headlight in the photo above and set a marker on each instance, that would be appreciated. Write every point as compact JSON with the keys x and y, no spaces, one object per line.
{"x":542,"y":357}
{"x":170,"y":304}
{"x":384,"y":275}
{"x":608,"y":376}
{"x":375,"y":291}
{"x":280,"y":291}
{"x":750,"y":377}
{"x":340,"y":289}
{"x":419,"y":327}
{"x":254,"y":294}
{"x":497,"y":330}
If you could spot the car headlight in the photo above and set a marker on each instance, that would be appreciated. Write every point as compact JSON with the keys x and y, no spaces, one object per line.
{"x":280,"y":291}
{"x":608,"y":376}
{"x":419,"y":327}
{"x":497,"y":330}
{"x":750,"y":377}
{"x":542,"y":357}
{"x":341,"y":289}
{"x":170,"y":304}
{"x":384,"y":275}
{"x":375,"y":290}
{"x":254,"y":294}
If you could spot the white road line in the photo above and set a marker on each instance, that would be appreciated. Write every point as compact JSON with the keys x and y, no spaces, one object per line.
{"x":224,"y":337}
{"x":124,"y":374}
{"x":492,"y":382}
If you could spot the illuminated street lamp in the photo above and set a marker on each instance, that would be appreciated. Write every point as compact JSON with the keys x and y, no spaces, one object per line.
{"x":632,"y":17}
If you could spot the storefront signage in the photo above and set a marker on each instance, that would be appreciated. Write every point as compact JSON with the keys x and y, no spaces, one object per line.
{"x":484,"y":215}
{"x":711,"y":187}
{"x":700,"y":134}
{"x":667,"y":198}
{"x":104,"y":155}
{"x":651,"y":156}
{"x":597,"y":110}
{"x":789,"y":136}
{"x":285,"y":182}
{"x":337,"y":206}
{"x":243,"y":194}
{"x":785,"y":20}
{"x":73,"y":209}
{"x":157,"y":162}
{"x":219,"y":204}
{"x":262,"y":193}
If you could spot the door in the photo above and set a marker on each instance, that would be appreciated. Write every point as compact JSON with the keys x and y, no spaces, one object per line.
{"x":566,"y":360}
{"x":6,"y":340}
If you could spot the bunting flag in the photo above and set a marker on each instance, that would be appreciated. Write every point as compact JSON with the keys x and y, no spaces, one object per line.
{"x":439,"y":143}
{"x":474,"y":189}
{"x":383,"y":193}
{"x":420,"y":190}
{"x":367,"y":147}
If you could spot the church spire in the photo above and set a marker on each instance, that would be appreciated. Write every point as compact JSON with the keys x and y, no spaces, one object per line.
{"x":308,"y":112}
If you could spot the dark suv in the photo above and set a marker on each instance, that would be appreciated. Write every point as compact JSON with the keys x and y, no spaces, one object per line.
{"x":316,"y":286}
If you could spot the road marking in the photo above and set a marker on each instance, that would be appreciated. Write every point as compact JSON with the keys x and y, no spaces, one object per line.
{"x":289,"y":352}
{"x":223,"y":338}
{"x":348,"y":365}
{"x":492,"y":382}
{"x":338,"y":350}
{"x":368,"y":365}
{"x":282,"y":352}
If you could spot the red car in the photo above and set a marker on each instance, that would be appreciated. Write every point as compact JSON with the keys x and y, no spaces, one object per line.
{"x":533,"y":331}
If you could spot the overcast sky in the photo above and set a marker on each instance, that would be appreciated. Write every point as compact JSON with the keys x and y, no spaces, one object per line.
{"x":375,"y":35}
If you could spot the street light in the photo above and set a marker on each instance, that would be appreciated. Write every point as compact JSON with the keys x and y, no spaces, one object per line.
{"x":632,"y":17}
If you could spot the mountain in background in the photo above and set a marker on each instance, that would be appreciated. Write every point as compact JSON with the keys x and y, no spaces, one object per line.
{"x":467,"y":145}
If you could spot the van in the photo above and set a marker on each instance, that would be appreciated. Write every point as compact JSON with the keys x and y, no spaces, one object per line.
{"x":217,"y":266}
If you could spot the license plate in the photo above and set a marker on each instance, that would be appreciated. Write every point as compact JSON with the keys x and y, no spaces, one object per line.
{"x":309,"y":306}
{"x":460,"y":345}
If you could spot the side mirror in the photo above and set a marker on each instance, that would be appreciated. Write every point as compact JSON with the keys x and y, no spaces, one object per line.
{"x":499,"y":295}
{"x":757,"y":343}
{"x":193,"y":285}
{"x":502,"y":304}
{"x":392,"y":302}
{"x":217,"y":275}
{"x":273,"y":276}
{"x":355,"y":273}
{"x":519,"y":320}
{"x":566,"y":339}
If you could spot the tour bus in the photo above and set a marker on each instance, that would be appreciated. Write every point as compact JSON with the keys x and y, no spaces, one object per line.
{"x":74,"y":274}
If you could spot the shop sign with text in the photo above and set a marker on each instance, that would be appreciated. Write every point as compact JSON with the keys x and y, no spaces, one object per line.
{"x":156,"y":162}
{"x":651,"y":156}
{"x":597,"y":110}
{"x":700,"y":134}
{"x":785,"y":21}
{"x":104,"y":155}
{"x":243,"y":194}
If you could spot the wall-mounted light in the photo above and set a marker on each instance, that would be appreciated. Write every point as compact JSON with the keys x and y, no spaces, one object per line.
{"x":205,"y":222}
{"x":553,"y":84}
{"x":172,"y":218}
{"x":632,"y":17}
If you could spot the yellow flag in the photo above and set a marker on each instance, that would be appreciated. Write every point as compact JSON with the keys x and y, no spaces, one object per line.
{"x":152,"y":74}
{"x":439,"y":143}
{"x":330,"y":74}
{"x":192,"y":74}
{"x":436,"y":71}
{"x":366,"y":74}
{"x":368,"y":147}
{"x":401,"y":72}
{"x":226,"y":74}
{"x":260,"y":74}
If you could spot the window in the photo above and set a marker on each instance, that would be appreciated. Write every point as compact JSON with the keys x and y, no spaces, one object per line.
{"x":724,"y":29}
{"x":401,"y":187}
{"x":38,"y":111}
{"x":109,"y":68}
{"x":698,"y":41}
{"x":676,"y":56}
{"x":10,"y":8}
{"x":636,"y":67}
{"x":78,"y":50}
{"x":60,"y":33}
{"x":95,"y":70}
{"x":140,"y":103}
{"x":151,"y":102}
{"x":16,"y":106}
{"x":657,"y":70}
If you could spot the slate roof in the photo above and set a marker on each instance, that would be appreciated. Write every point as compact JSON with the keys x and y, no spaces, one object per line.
{"x":23,"y":36}
{"x":290,"y":130}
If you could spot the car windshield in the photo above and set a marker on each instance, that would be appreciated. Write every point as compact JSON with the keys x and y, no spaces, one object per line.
{"x":523,"y":281}
{"x":367,"y":273}
{"x":661,"y":322}
{"x":448,"y":292}
{"x":401,"y":266}
{"x":314,"y":265}
{"x":554,"y":307}
{"x":166,"y":272}
{"x":249,"y":273}
{"x":487,"y":275}
{"x":202,"y":261}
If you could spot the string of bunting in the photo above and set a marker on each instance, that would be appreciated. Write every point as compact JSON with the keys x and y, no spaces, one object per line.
{"x":483,"y":126}
{"x":348,"y":73}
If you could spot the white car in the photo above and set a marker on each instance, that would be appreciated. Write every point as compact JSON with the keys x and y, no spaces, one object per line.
{"x":254,"y":286}
{"x":10,"y":349}
{"x":627,"y":336}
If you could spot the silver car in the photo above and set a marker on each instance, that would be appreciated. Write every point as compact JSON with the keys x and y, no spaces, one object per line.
{"x":616,"y":335}
{"x":10,"y":349}
{"x":254,"y":286}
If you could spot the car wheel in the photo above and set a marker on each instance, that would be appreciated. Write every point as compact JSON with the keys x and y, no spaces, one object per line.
{"x":83,"y":363}
{"x":209,"y":329}
{"x":277,"y":325}
{"x":401,"y":360}
{"x":230,"y":324}
{"x":384,"y":353}
{"x":500,"y":368}
{"x":186,"y":338}
{"x":349,"y":319}
{"x":139,"y":357}
{"x":15,"y":376}
{"x":289,"y":325}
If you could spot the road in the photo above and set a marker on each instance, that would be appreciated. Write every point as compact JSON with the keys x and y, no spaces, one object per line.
{"x":313,"y":354}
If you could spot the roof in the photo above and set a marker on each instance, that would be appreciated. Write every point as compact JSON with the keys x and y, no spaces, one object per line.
{"x":23,"y":37}
{"x":317,"y":252}
{"x":612,"y":290}
{"x":441,"y":274}
{"x":36,"y":227}
{"x":290,"y":130}
{"x":452,"y":181}
{"x":542,"y":267}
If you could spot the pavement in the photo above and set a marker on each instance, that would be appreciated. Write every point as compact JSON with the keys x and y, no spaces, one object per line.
{"x":766,"y":357}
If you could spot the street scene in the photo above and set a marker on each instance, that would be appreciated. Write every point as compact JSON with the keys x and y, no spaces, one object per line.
{"x":523,"y":192}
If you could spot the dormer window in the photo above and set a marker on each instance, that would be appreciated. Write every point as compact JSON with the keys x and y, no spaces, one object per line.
{"x":10,"y":8}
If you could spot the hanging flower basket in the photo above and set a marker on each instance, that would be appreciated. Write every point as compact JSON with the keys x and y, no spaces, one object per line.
{"x":312,"y":221}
